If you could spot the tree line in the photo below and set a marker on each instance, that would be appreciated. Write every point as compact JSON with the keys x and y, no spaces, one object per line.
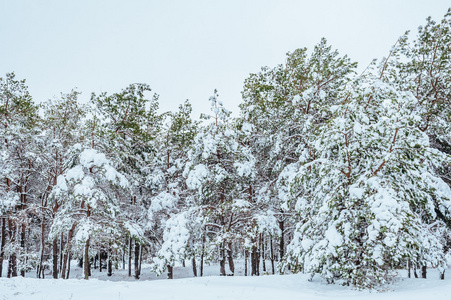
{"x":325,"y":171}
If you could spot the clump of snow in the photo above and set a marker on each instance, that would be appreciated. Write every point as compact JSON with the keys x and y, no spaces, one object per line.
{"x":197,"y":176}
{"x":163,"y":201}
{"x":335,"y":239}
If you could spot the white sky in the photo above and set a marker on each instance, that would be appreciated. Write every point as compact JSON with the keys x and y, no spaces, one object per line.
{"x":186,"y":49}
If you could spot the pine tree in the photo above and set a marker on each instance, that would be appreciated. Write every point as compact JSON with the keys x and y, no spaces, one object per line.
{"x":61,"y":131}
{"x":282,"y":106}
{"x":19,"y":121}
{"x":129,"y":124}
{"x":169,"y":208}
{"x":364,"y":198}
{"x":87,"y":194}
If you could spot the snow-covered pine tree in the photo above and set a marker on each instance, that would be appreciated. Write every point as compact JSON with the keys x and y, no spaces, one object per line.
{"x":18,"y":128}
{"x":88,"y":196}
{"x":366,"y":200}
{"x":283,"y":105}
{"x":169,"y":209}
{"x":61,"y":130}
{"x":214,"y":176}
{"x":129,"y":125}
{"x":422,"y":66}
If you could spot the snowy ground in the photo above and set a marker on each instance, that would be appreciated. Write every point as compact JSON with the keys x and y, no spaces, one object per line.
{"x":120,"y":286}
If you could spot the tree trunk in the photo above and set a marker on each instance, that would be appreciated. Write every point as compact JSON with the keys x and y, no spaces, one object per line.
{"x":66,"y":256}
{"x":86,"y":266}
{"x":272,"y":256}
{"x":10,"y":268}
{"x":68,"y":265}
{"x":257,"y":260}
{"x":222,"y":271}
{"x":100,"y":261}
{"x":170,"y":272}
{"x":2,"y":245}
{"x":55,"y":259}
{"x":64,"y":267}
{"x":61,"y":253}
{"x":137,"y":247}
{"x":263,"y":252}
{"x":110,"y":263}
{"x":254,"y":261}
{"x":41,"y":254}
{"x":23,"y":200}
{"x":246,"y":255}
{"x":282,"y":240}
{"x":193,"y":262}
{"x":442,"y":275}
{"x":230,"y":258}
{"x":12,"y":263}
{"x":415,"y":271}
{"x":123,"y":258}
{"x":408,"y":268}
{"x":141,"y":249}
{"x":96,"y":258}
{"x":22,"y":245}
{"x":130,"y":257}
{"x":423,"y":272}
{"x":202,"y":256}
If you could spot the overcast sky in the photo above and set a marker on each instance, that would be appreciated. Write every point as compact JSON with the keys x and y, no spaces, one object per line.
{"x":186,"y":49}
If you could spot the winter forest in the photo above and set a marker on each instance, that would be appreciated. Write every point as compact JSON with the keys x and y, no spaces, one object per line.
{"x":342,"y":175}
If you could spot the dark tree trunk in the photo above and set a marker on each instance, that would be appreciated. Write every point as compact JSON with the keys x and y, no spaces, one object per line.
{"x":65,"y":263}
{"x":263,"y":252}
{"x":22,"y":245}
{"x":257,"y":261}
{"x":23,"y":200}
{"x":408,"y":268}
{"x":222,"y":271}
{"x":137,"y":247}
{"x":423,"y":272}
{"x":141,"y":249}
{"x":254,"y":261}
{"x":97,"y":257}
{"x":193,"y":262}
{"x":130,"y":257}
{"x":12,"y":263}
{"x":10,"y":268}
{"x":100,"y":261}
{"x":41,"y":255}
{"x":86,"y":266}
{"x":201,"y":268}
{"x":123,"y":258}
{"x":2,"y":245}
{"x":61,"y":253}
{"x":272,"y":256}
{"x":282,"y":240}
{"x":68,"y":265}
{"x":110,"y":262}
{"x":415,"y":272}
{"x":66,"y":256}
{"x":170,"y":272}
{"x":230,"y":258}
{"x":202,"y":257}
{"x":442,"y":275}
{"x":55,"y":259}
{"x":246,"y":256}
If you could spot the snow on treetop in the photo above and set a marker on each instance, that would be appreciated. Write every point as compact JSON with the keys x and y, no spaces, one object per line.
{"x":90,"y":158}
